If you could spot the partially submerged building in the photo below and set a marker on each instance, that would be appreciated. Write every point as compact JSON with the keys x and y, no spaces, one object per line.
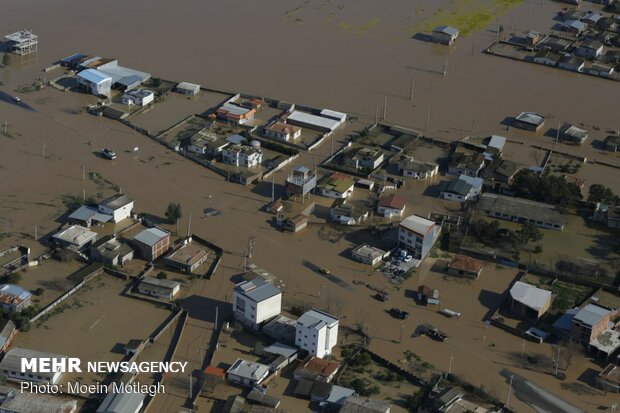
{"x":327,"y":121}
{"x":521,"y":211}
{"x":418,"y":235}
{"x":529,"y":121}
{"x":412,"y":168}
{"x":367,"y":159}
{"x":242,"y":155}
{"x":129,"y":402}
{"x":111,"y":251}
{"x":22,"y":42}
{"x":465,"y":188}
{"x":301,"y":181}
{"x":236,"y":114}
{"x":348,"y":213}
{"x":95,"y":82}
{"x":86,"y":215}
{"x":391,"y":205}
{"x":355,"y":404}
{"x":317,"y":333}
{"x":336,"y":185}
{"x":137,"y":97}
{"x":247,"y":373}
{"x":75,"y":237}
{"x":255,"y":302}
{"x":152,"y":243}
{"x":11,"y":366}
{"x":316,"y":369}
{"x":367,"y":254}
{"x":608,"y":215}
{"x":13,"y":298}
{"x":282,"y":131}
{"x":463,"y":266}
{"x":445,"y":35}
{"x":186,"y":88}
{"x":187,"y":258}
{"x":573,"y":134}
{"x":16,"y":401}
{"x":158,"y":287}
{"x":528,"y":301}
{"x":119,"y":207}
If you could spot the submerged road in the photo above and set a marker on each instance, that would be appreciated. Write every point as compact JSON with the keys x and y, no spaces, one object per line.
{"x":538,"y":398}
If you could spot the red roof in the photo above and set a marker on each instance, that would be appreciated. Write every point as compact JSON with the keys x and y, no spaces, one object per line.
{"x":215,"y":371}
{"x":463,"y":263}
{"x":393,"y":201}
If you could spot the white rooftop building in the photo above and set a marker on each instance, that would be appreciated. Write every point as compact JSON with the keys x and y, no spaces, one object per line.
{"x":327,"y":122}
{"x":119,"y":207}
{"x":11,"y":366}
{"x":121,"y":403}
{"x":255,"y":302}
{"x":528,"y":300}
{"x":22,"y":42}
{"x":75,"y":238}
{"x":247,"y":373}
{"x":317,"y":333}
{"x":95,"y":82}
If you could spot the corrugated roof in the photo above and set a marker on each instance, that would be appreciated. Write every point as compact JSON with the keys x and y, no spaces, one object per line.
{"x":121,"y":403}
{"x":314,"y":120}
{"x":316,"y":319}
{"x":94,"y":76}
{"x":591,"y":314}
{"x":417,"y":224}
{"x":529,"y":295}
{"x":257,"y":289}
{"x":151,"y":236}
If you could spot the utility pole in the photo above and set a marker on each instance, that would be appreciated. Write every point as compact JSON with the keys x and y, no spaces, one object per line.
{"x":509,"y":390}
{"x":450,"y":367}
{"x":84,"y":195}
{"x":411,"y":91}
{"x":5,"y":125}
{"x":216,"y":316}
{"x":428,"y":118}
{"x":557,"y":134}
{"x":189,"y":225}
{"x":190,"y":386}
{"x":273,"y":188}
{"x":400,"y":338}
{"x":332,"y":145}
{"x":384,"y":107}
{"x":377,"y":114}
{"x":523,"y":348}
{"x":36,"y":227}
{"x":44,"y":149}
{"x":83,"y":173}
{"x":557,"y":361}
{"x":445,"y":66}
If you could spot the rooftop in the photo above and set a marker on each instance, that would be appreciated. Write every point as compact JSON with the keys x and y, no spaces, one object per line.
{"x":75,"y":234}
{"x":188,"y":86}
{"x":356,"y":404}
{"x":281,"y":127}
{"x":257,"y":289}
{"x":417,"y":166}
{"x":417,"y":224}
{"x":12,"y":294}
{"x":519,"y":207}
{"x":116,"y":202}
{"x":316,"y":319}
{"x":464,"y":263}
{"x":94,"y":76}
{"x":87,"y":213}
{"x":531,"y":118}
{"x":336,"y":182}
{"x":158,"y":282}
{"x":393,"y":201}
{"x":320,"y":121}
{"x":31,"y":402}
{"x":591,"y":314}
{"x":529,"y":295}
{"x":249,"y":369}
{"x":121,"y":402}
{"x":12,"y":359}
{"x":188,"y":254}
{"x":367,"y":251}
{"x":151,"y":236}
{"x":446,"y":30}
{"x":321,"y":367}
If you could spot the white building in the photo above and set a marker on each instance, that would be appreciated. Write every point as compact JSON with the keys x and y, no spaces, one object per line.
{"x":412,"y":168}
{"x":466,"y":188}
{"x":160,"y":288}
{"x":13,"y":298}
{"x":321,"y":123}
{"x":121,"y":403}
{"x":96,"y":82}
{"x":336,"y":185}
{"x":367,"y":254}
{"x":317,"y":333}
{"x":11,"y":366}
{"x":282,"y":132}
{"x":119,"y":207}
{"x":247,"y":373}
{"x":255,"y":302}
{"x":418,"y":235}
{"x":391,"y":205}
{"x":138,"y":97}
{"x":186,"y":88}
{"x":242,"y":155}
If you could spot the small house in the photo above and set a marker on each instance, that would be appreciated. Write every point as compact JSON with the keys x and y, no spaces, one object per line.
{"x":573,"y":134}
{"x":392,"y":205}
{"x":612,"y":143}
{"x":75,"y":237}
{"x":368,"y":255}
{"x":590,"y":49}
{"x":138,"y":97}
{"x":152,"y":243}
{"x":296,"y":224}
{"x":95,"y":82}
{"x":445,"y":35}
{"x":529,"y":121}
{"x":465,"y":188}
{"x":185,"y":88}
{"x":111,"y":251}
{"x":336,"y":185}
{"x":348,"y":213}
{"x":412,"y":168}
{"x":528,"y":301}
{"x":247,"y":373}
{"x":574,"y":26}
{"x":463,"y":266}
{"x":159,"y":288}
{"x":119,"y":207}
{"x":13,"y":298}
{"x":282,"y":131}
{"x":547,"y":57}
{"x":187,"y":258}
{"x":316,"y":369}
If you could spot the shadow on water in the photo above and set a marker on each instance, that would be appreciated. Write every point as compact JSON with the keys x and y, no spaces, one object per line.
{"x":9,"y":99}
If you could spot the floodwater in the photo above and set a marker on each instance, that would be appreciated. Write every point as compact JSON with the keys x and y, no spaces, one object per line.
{"x":256,"y":48}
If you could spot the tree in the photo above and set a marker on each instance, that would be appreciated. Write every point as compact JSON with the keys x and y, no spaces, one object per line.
{"x":13,"y":278}
{"x":551,"y":189}
{"x":162,"y":275}
{"x":600,"y":193}
{"x":6,"y":59}
{"x":173,"y":212}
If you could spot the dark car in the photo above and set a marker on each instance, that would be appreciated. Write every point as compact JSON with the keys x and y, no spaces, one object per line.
{"x":436,"y":334}
{"x":398,"y":313}
{"x":381,"y":297}
{"x":108,"y":153}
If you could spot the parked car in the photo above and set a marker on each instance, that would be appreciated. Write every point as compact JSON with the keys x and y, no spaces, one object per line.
{"x":398,"y":313}
{"x":17,"y":99}
{"x":381,"y":297}
{"x":324,"y":271}
{"x":407,"y":258}
{"x":108,"y":153}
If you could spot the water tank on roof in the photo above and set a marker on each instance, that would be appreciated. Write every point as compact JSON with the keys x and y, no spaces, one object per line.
{"x":255,"y":144}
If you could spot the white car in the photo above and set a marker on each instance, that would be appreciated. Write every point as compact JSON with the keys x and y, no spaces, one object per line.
{"x":407,"y":258}
{"x":17,"y":99}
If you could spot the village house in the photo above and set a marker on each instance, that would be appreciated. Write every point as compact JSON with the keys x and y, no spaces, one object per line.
{"x":465,"y":162}
{"x":138,"y":97}
{"x":603,"y":70}
{"x":590,"y":49}
{"x":317,"y":333}
{"x":348,"y":213}
{"x":521,"y":211}
{"x":242,"y":155}
{"x":573,"y":134}
{"x":368,"y":255}
{"x":235,"y":114}
{"x":119,"y":207}
{"x":206,"y":143}
{"x":111,"y":251}
{"x":296,"y":223}
{"x":418,"y":235}
{"x":465,"y":188}
{"x":572,"y":63}
{"x":336,"y":185}
{"x":592,"y":18}
{"x":445,"y":35}
{"x":158,"y":287}
{"x":532,"y":38}
{"x":528,"y":301}
{"x":356,"y":404}
{"x":367,"y":159}
{"x":463,"y":266}
{"x":612,"y":143}
{"x":75,"y":238}
{"x":95,"y":82}
{"x":555,"y":44}
{"x":255,"y":302}
{"x":412,"y":168}
{"x":547,"y":57}
{"x":391,"y":205}
{"x":589,"y":322}
{"x":86,"y":216}
{"x":11,"y":366}
{"x":282,"y":132}
{"x":187,"y":258}
{"x":7,"y":333}
{"x":247,"y":373}
{"x":500,"y":170}
{"x":13,"y":298}
{"x":574,"y":26}
{"x":152,"y":243}
{"x":529,"y":121}
{"x":186,"y":88}
{"x":608,"y":215}
{"x":327,"y":121}
{"x":316,"y":369}
{"x":300,"y":181}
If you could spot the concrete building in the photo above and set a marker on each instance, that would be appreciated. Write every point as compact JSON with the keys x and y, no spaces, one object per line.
{"x":574,"y":26}
{"x":320,"y":123}
{"x":348,"y":213}
{"x":465,"y":188}
{"x":140,"y":97}
{"x":367,"y":159}
{"x":86,"y":216}
{"x":247,"y":373}
{"x":391,"y":205}
{"x":282,"y":132}
{"x":235,"y":114}
{"x":528,"y":301}
{"x":608,"y":215}
{"x":356,"y":404}
{"x":242,"y":155}
{"x":547,"y":57}
{"x":300,"y":181}
{"x":255,"y":302}
{"x":590,"y":322}
{"x":119,"y":207}
{"x":22,"y":42}
{"x":367,"y":254}
{"x":573,"y":134}
{"x":187,"y":258}
{"x":186,"y":88}
{"x":590,"y":49}
{"x":612,"y":143}
{"x":206,"y":143}
{"x":111,"y":251}
{"x":95,"y":82}
{"x":316,"y":369}
{"x":500,"y":171}
{"x":151,"y":243}
{"x":75,"y":238}
{"x":463,"y":266}
{"x":336,"y":185}
{"x":464,"y":162}
{"x":296,"y":223}
{"x":412,"y":168}
{"x":529,"y":121}
{"x":521,"y":211}
{"x":121,"y":403}
{"x":13,"y":298}
{"x":317,"y":333}
{"x":160,"y":288}
{"x":445,"y":35}
{"x":11,"y":366}
{"x":418,"y":235}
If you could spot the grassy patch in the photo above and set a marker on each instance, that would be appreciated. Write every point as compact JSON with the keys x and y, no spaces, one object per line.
{"x":466,"y":15}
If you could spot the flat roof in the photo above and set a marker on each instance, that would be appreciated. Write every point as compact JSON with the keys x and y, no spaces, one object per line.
{"x":519,"y":207}
{"x":14,"y":292}
{"x":529,"y":295}
{"x":328,"y":113}
{"x":124,"y":75}
{"x":394,"y":201}
{"x":188,"y":86}
{"x":121,"y":402}
{"x":310,"y":119}
{"x":86,"y":213}
{"x":417,"y":224}
{"x":31,"y":402}
{"x":233,"y":109}
{"x":13,"y":358}
{"x":367,"y":251}
{"x":531,"y":118}
{"x":188,"y":254}
{"x":316,"y":319}
{"x":248,"y":369}
{"x":465,"y":263}
{"x":117,"y":201}
{"x":281,"y":349}
{"x":151,"y":236}
{"x":446,"y":30}
{"x":356,"y":404}
{"x":76,"y":235}
{"x":257,"y":289}
{"x":157,"y":282}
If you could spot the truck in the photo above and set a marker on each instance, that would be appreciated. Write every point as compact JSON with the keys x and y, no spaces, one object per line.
{"x":449,"y":313}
